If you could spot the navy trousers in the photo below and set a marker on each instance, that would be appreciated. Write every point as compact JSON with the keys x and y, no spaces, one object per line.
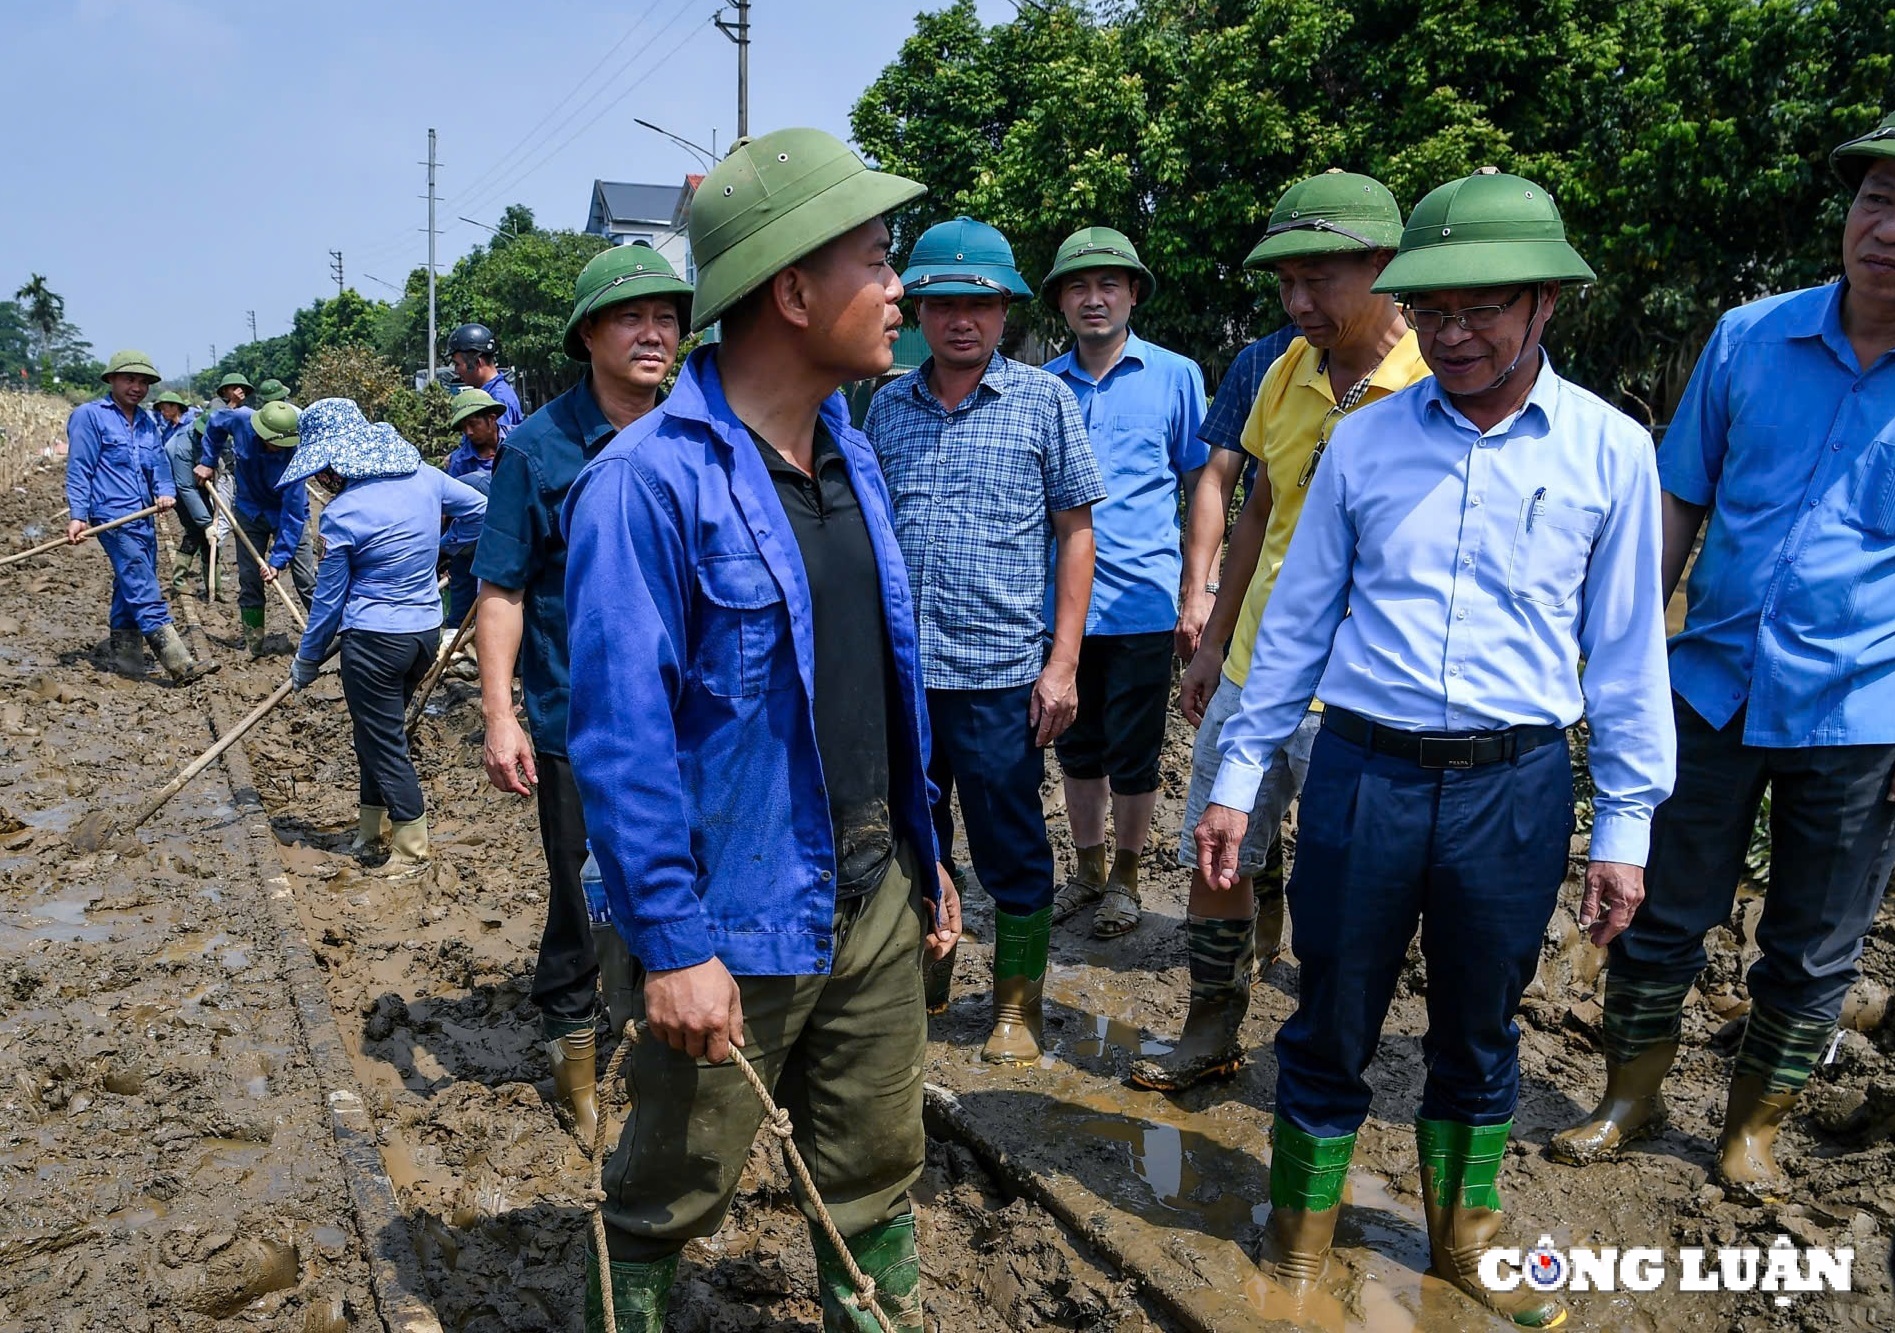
{"x":462,"y":588}
{"x":380,"y":673}
{"x":1832,"y":845}
{"x":136,"y":601}
{"x":566,"y":974}
{"x":1476,"y":857}
{"x":983,"y":744}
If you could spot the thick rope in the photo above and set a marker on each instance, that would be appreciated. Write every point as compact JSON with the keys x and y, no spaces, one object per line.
{"x":777,"y":1121}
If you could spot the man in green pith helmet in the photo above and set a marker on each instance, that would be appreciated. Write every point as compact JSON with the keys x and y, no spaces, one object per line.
{"x":1329,"y":239}
{"x":272,"y":391}
{"x":987,"y":463}
{"x":1466,"y":543}
{"x":629,"y":310}
{"x":1142,"y":405}
{"x":1784,"y":677}
{"x":747,"y":692}
{"x":276,"y":522}
{"x":194,"y":510}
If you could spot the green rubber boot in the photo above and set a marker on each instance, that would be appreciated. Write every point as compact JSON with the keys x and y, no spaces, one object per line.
{"x":886,"y":1254}
{"x":1020,"y":944}
{"x":641,"y":1293}
{"x":252,"y":618}
{"x":128,"y":653}
{"x":1307,"y":1174}
{"x":1460,"y":1193}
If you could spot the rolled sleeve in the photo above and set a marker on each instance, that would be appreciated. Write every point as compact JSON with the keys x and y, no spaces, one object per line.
{"x":507,"y":554}
{"x":1634,"y":748}
{"x":627,"y":580}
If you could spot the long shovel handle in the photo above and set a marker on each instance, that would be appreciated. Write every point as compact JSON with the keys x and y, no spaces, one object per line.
{"x":440,"y":664}
{"x":43,"y":547}
{"x":209,"y":757}
{"x":296,"y":612}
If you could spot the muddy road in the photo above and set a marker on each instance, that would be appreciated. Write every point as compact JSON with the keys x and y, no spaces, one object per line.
{"x":146,"y":1043}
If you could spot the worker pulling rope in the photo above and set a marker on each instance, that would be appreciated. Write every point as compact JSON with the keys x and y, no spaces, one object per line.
{"x":777,"y":1121}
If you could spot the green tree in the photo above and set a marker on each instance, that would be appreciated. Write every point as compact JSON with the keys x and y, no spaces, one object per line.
{"x":16,"y":344}
{"x":342,"y":320}
{"x":422,"y":416}
{"x":45,"y":312}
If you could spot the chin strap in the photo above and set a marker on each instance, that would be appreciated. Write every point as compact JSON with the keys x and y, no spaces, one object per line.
{"x":1514,"y":365}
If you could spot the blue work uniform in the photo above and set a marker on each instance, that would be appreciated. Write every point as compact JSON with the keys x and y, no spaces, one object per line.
{"x":180,"y":447}
{"x":1446,"y":582}
{"x":116,"y":467}
{"x":692,"y":729}
{"x":466,"y":465}
{"x":501,"y":391}
{"x":256,"y":468}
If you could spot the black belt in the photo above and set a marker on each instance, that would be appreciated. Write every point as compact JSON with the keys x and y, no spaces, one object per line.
{"x":1439,"y":749}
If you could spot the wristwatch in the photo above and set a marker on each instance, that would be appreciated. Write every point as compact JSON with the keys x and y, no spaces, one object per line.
{"x":1212,"y":587}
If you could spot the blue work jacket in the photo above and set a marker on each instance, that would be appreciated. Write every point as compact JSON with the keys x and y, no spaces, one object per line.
{"x":692,"y":733}
{"x":255,"y":470}
{"x":114,"y":467}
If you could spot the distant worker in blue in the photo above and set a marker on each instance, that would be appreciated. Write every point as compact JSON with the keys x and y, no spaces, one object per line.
{"x":479,"y":417}
{"x":1467,"y":542}
{"x":1784,"y":677}
{"x":629,"y":310}
{"x":115,"y":465}
{"x":987,"y":461}
{"x":473,"y":349}
{"x":381,"y":542}
{"x":750,"y":737}
{"x":1143,"y":405}
{"x":194,"y":509}
{"x":274,"y":518}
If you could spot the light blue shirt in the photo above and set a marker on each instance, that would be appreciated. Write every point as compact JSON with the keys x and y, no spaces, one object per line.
{"x":1143,"y":418}
{"x":1442,"y":579}
{"x":382,"y":540}
{"x":1792,"y":601}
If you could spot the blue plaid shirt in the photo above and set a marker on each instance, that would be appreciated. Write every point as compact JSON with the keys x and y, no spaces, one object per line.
{"x":1237,"y":392}
{"x":974,"y":491}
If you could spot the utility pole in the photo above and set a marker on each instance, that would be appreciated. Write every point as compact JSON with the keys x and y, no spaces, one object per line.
{"x":253,"y":324}
{"x":739,"y":32}
{"x":431,"y":165}
{"x":335,"y":269}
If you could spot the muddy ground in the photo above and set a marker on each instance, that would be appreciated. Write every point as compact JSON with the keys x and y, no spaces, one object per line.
{"x":429,"y":982}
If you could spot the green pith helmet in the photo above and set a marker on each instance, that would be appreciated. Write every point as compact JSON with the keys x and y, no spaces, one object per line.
{"x":1484,"y":230}
{"x":1095,"y":247}
{"x":472,"y":402}
{"x":775,"y":200}
{"x":1328,"y":214}
{"x":171,"y":396}
{"x":1852,"y":160}
{"x":613,"y":277}
{"x":963,"y":258}
{"x":275,"y":424}
{"x":235,"y":380}
{"x":130,"y":362}
{"x":272,"y":391}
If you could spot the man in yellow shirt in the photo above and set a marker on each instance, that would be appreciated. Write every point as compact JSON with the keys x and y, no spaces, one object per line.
{"x":1329,"y":238}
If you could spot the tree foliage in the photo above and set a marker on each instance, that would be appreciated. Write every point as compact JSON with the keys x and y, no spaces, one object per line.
{"x":1685,"y":140}
{"x":422,"y":416}
{"x":353,"y":370}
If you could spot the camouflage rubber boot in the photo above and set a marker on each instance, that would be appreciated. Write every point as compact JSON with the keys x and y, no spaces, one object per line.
{"x":1220,"y":997}
{"x":128,"y":653}
{"x":1460,"y":1193}
{"x":886,"y":1255}
{"x":1773,"y":1064}
{"x":641,"y":1294}
{"x":1020,"y":946}
{"x":1307,"y":1174}
{"x":1642,"y":1024}
{"x":175,"y":657}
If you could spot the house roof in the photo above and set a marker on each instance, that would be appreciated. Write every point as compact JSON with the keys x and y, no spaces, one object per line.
{"x":620,"y":202}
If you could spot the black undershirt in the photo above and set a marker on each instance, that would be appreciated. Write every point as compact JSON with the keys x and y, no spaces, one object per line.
{"x":853,"y":679}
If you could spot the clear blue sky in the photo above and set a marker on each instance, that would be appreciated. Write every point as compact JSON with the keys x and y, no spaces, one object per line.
{"x":170,"y":165}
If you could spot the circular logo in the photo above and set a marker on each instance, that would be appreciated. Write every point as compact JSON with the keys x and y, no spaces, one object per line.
{"x":1545,"y":1268}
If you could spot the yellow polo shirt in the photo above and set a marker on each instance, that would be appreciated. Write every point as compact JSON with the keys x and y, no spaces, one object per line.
{"x":1281,"y":431}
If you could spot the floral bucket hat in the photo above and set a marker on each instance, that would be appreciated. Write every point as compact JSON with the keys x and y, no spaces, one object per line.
{"x":335,"y":435}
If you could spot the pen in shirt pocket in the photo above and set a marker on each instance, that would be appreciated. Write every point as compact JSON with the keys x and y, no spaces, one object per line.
{"x":1533,"y":510}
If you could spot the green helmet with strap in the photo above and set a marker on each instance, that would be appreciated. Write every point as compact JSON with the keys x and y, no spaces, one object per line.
{"x":1489,"y":229}
{"x":1335,"y":213}
{"x":131,"y":362}
{"x":171,"y":396}
{"x":272,"y":391}
{"x":275,"y":424}
{"x":1095,"y":247}
{"x":775,"y":200}
{"x":235,"y":380}
{"x":613,"y":277}
{"x":472,"y":402}
{"x":963,"y":257}
{"x":1853,"y":159}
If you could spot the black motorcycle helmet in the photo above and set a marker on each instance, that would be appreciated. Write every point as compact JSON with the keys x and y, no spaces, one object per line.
{"x":473,"y":338}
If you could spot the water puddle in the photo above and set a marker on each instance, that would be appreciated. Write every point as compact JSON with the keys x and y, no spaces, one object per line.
{"x":58,"y":920}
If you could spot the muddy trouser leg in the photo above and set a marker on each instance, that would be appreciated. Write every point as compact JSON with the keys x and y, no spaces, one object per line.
{"x":1355,"y":897}
{"x":987,"y":744}
{"x":137,"y":602}
{"x":566,"y":975}
{"x":249,"y":576}
{"x":843,"y":1053}
{"x":380,"y":672}
{"x":1495,"y":868}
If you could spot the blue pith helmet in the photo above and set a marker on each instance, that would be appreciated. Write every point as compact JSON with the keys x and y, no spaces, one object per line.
{"x":963,"y":258}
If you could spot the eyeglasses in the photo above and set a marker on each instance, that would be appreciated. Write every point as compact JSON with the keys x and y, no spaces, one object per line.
{"x":1475,"y":319}
{"x":1323,"y":431}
